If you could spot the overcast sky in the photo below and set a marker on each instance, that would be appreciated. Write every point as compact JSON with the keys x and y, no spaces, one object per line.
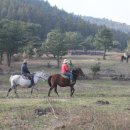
{"x":115,"y":10}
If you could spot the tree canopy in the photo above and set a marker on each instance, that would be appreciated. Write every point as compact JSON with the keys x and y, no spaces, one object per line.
{"x":40,"y":12}
{"x":103,"y":39}
{"x":55,"y":45}
{"x":14,"y":35}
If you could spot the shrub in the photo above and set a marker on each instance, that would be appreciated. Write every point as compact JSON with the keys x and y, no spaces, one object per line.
{"x":95,"y":69}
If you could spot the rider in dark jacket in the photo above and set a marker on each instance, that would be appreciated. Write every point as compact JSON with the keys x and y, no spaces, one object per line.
{"x":25,"y":71}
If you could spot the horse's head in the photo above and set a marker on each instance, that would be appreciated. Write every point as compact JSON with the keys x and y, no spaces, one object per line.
{"x":77,"y":72}
{"x":42,"y":75}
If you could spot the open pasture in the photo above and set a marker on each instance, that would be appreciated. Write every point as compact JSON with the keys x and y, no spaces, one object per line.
{"x":99,"y":104}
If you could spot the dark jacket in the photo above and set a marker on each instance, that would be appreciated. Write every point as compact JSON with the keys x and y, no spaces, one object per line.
{"x":24,"y":69}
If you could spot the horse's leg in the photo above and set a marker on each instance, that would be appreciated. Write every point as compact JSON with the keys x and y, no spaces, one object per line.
{"x":50,"y":91}
{"x":56,"y":91}
{"x":72,"y":90}
{"x":36,"y":89}
{"x":32,"y":89}
{"x":15,"y":91}
{"x":12,"y":87}
{"x":9,"y":92}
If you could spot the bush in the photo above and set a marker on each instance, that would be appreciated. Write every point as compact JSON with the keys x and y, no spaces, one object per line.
{"x":16,"y":57}
{"x":95,"y":69}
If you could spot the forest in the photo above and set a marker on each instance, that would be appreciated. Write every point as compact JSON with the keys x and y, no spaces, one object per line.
{"x":25,"y":24}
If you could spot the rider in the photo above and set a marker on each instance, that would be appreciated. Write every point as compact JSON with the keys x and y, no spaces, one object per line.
{"x":26,"y":72}
{"x":66,"y":70}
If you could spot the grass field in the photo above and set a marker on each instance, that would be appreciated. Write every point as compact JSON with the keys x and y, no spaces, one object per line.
{"x":87,"y":110}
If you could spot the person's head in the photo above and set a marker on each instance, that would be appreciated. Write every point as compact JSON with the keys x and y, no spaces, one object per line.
{"x":65,"y":61}
{"x":25,"y":61}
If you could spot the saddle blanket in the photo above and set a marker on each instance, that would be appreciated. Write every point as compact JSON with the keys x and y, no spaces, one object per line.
{"x":64,"y":76}
{"x":25,"y":77}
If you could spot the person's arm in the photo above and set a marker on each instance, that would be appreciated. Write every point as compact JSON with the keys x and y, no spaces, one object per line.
{"x":26,"y":69}
{"x":67,"y":68}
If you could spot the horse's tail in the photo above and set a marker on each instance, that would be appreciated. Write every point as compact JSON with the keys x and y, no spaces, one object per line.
{"x":13,"y":79}
{"x":10,"y":78}
{"x":49,"y":80}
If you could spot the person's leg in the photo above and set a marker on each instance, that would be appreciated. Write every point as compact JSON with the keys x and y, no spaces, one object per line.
{"x":71,"y":78}
{"x":67,"y":74}
{"x":32,"y":80}
{"x":70,"y":75}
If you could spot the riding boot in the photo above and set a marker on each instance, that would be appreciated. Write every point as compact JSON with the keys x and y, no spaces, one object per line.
{"x":32,"y":83}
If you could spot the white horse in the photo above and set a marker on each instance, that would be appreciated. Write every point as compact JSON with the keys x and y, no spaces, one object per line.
{"x":20,"y":80}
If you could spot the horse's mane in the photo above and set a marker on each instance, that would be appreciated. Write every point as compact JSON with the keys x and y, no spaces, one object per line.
{"x":75,"y":68}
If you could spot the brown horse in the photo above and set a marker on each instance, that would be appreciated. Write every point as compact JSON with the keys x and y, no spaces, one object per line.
{"x":58,"y":79}
{"x":124,"y":58}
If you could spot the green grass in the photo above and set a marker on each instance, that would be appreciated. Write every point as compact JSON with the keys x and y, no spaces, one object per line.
{"x":80,"y":112}
{"x":19,"y":113}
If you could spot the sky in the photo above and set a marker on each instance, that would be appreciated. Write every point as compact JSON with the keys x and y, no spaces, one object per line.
{"x":115,"y":10}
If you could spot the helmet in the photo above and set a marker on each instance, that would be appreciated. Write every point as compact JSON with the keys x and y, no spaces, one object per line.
{"x":65,"y":61}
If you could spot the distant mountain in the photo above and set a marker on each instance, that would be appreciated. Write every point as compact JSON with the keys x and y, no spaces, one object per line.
{"x":109,"y":23}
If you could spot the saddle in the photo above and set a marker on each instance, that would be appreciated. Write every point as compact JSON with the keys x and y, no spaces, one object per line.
{"x":25,"y":77}
{"x":64,"y":76}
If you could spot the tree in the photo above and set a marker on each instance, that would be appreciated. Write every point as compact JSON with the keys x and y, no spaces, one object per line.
{"x":73,"y":40}
{"x":95,"y":69}
{"x":116,"y":44}
{"x":55,"y":45}
{"x":10,"y":38}
{"x":128,"y":45}
{"x":103,"y":39}
{"x":31,"y":37}
{"x":87,"y":43}
{"x":14,"y":35}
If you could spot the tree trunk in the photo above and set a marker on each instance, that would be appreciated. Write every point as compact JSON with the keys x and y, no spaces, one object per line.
{"x":104,"y":54}
{"x":1,"y":57}
{"x":8,"y":59}
{"x":58,"y":63}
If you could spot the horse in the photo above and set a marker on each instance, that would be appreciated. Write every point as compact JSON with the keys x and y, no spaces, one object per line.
{"x":124,"y":58}
{"x":20,"y":80}
{"x":62,"y":81}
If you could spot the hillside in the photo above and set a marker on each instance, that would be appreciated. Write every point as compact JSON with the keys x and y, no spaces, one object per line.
{"x":109,"y":23}
{"x":42,"y":13}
